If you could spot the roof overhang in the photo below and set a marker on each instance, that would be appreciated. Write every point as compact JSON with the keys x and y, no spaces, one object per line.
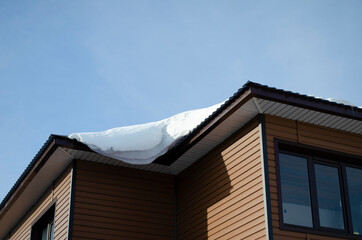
{"x":251,"y":100}
{"x":246,"y":104}
{"x":254,"y":99}
{"x":49,"y":163}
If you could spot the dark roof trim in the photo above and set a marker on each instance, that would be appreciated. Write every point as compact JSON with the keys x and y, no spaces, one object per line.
{"x":249,"y":90}
{"x":38,"y":161}
{"x":64,"y":141}
{"x":305,"y":101}
{"x":204,"y":128}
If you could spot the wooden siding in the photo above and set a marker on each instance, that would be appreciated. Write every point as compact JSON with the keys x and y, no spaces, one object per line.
{"x":221,"y":195}
{"x":309,"y":134}
{"x":121,"y":203}
{"x":58,"y":193}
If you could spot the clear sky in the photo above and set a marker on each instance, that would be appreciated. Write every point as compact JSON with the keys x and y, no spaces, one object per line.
{"x":75,"y":66}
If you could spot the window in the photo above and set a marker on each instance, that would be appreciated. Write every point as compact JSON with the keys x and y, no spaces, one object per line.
{"x":354,"y":180}
{"x":43,"y":229}
{"x":319,"y":192}
{"x":295,"y":194}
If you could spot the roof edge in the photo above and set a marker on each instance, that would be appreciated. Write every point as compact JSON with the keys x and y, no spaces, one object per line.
{"x":251,"y":89}
{"x":301,"y":100}
{"x":185,"y":143}
{"x":38,"y":161}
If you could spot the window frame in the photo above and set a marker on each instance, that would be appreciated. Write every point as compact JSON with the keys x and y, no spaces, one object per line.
{"x":44,"y":220}
{"x":316,"y":155}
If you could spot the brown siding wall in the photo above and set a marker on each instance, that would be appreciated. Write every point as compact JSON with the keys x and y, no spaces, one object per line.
{"x":307,"y":134}
{"x":221,"y":195}
{"x":121,"y":203}
{"x":61,"y":197}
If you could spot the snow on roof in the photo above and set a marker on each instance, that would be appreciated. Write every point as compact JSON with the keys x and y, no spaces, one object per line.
{"x":341,"y":101}
{"x":142,"y":144}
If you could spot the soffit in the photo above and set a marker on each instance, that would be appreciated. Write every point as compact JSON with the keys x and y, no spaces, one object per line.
{"x":309,"y":116}
{"x":36,"y":186}
{"x":99,"y":158}
{"x":218,"y":135}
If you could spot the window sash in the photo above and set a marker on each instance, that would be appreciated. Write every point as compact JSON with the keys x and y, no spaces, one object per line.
{"x":343,"y":189}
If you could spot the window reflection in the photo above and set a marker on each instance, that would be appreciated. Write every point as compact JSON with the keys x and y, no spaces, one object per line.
{"x":295,"y":190}
{"x":354,"y":180}
{"x":329,"y":197}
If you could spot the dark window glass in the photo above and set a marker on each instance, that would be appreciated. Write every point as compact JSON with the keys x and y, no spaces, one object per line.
{"x":295,"y":190}
{"x":43,"y":229}
{"x":354,"y":180}
{"x":329,"y":197}
{"x":48,"y":232}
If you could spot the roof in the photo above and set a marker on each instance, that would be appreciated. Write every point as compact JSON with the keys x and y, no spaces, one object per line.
{"x":258,"y":90}
{"x":51,"y":144}
{"x":248,"y":102}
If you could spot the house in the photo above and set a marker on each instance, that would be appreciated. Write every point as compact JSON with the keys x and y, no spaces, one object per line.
{"x":268,"y":164}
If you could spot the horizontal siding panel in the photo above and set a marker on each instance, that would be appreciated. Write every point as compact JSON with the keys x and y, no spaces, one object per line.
{"x":204,"y":199}
{"x":223,"y":191}
{"x":259,"y":235}
{"x":84,"y":196}
{"x":245,"y":214}
{"x":61,"y":197}
{"x":94,"y":214}
{"x":132,"y":190}
{"x":235,"y":164}
{"x":197,"y":181}
{"x":106,"y":233}
{"x":126,"y":192}
{"x":155,"y":226}
{"x":213,"y":219}
{"x":120,"y":180}
{"x":134,"y":174}
{"x":122,"y":203}
{"x":220,"y":186}
{"x":219,"y":151}
{"x":241,"y":199}
{"x":126,"y":226}
{"x":124,"y":210}
{"x":216,"y":166}
{"x":330,"y":145}
{"x":241,"y":229}
{"x":210,"y":215}
{"x":125,"y":205}
{"x":223,"y":207}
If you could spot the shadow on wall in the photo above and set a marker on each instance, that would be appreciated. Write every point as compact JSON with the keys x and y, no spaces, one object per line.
{"x":201,"y":190}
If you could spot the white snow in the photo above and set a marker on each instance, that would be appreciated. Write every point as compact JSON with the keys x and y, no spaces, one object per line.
{"x":341,"y":101}
{"x":334,"y":100}
{"x":142,"y":144}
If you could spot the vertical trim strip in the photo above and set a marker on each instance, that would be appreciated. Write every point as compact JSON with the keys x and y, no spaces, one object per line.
{"x":71,"y":204}
{"x":298,"y":131}
{"x":265,"y":175}
{"x":176,"y":206}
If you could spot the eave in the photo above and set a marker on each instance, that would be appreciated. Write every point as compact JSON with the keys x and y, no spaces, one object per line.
{"x":47,"y":165}
{"x":268,"y":100}
{"x":247,"y":103}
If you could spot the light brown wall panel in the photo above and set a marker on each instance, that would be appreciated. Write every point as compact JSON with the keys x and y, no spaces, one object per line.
{"x":58,"y":193}
{"x":221,"y":195}
{"x":309,"y":134}
{"x":122,"y":203}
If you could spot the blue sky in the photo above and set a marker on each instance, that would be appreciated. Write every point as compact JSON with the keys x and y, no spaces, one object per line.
{"x":75,"y":66}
